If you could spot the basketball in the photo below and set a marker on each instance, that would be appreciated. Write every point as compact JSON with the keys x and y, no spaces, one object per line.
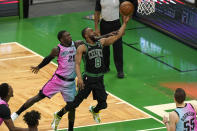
{"x":126,"y":8}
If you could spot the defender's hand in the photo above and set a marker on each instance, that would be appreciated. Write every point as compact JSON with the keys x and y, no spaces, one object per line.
{"x":35,"y":69}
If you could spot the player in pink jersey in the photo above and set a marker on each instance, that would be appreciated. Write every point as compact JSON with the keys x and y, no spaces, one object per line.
{"x":6,"y":92}
{"x":63,"y":80}
{"x":183,"y":118}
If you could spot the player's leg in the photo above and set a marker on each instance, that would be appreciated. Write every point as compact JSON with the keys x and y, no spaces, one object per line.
{"x":68,"y":94}
{"x":71,"y":119}
{"x":81,"y":95}
{"x":70,"y":106}
{"x":48,"y":90}
{"x":30,"y":102}
{"x":58,"y":116}
{"x":100,"y":95}
{"x":27,"y":104}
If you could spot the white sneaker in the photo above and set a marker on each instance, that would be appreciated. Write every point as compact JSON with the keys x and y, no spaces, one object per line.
{"x":56,"y":121}
{"x":14,"y":116}
{"x":95,"y":115}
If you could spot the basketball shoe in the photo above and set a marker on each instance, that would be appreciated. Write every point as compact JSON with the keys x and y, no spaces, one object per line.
{"x":95,"y":115}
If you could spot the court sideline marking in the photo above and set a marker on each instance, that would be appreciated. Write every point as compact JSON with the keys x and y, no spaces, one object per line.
{"x":151,"y":129}
{"x":13,"y":58}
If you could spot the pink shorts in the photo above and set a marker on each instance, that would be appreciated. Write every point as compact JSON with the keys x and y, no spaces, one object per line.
{"x":55,"y":85}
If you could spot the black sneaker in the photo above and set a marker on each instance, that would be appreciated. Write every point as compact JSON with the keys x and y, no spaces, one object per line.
{"x":120,"y":75}
{"x":106,"y":70}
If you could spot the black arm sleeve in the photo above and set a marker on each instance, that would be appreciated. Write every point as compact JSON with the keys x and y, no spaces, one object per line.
{"x":4,"y":112}
{"x":98,"y":5}
{"x":45,"y":61}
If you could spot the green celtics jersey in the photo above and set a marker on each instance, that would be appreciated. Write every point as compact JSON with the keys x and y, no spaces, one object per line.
{"x":93,"y":59}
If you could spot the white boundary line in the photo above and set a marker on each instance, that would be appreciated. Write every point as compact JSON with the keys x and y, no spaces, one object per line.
{"x":7,"y":43}
{"x":152,"y":129}
{"x":136,"y":108}
{"x":150,"y":116}
{"x":105,"y":123}
{"x":13,"y":58}
{"x":32,"y":51}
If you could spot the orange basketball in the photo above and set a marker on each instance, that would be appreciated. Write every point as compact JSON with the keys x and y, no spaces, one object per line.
{"x":126,"y":8}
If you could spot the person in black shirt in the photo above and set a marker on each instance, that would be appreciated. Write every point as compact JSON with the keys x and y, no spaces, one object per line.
{"x":92,"y":79}
{"x":109,"y":11}
{"x":6,"y":92}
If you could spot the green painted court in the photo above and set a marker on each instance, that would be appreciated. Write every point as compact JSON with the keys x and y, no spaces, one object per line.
{"x":154,"y":64}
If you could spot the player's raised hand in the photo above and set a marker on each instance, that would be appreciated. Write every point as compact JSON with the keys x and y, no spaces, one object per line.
{"x":126,"y":19}
{"x":80,"y":83}
{"x":35,"y":69}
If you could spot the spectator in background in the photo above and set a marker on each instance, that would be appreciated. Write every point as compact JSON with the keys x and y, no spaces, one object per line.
{"x":31,"y":119}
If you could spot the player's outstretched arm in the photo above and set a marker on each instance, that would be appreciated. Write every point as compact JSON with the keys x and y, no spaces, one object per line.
{"x":80,"y":50}
{"x":96,"y":22}
{"x":112,"y":39}
{"x":46,"y":60}
{"x":107,"y":35}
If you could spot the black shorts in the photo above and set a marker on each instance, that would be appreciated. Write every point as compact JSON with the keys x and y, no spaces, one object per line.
{"x":96,"y":85}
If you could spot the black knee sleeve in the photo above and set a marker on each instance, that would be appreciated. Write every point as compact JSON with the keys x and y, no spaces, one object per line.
{"x":41,"y":95}
{"x":71,"y":115}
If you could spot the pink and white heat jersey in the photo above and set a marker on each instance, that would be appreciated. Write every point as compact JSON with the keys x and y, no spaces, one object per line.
{"x":66,"y":61}
{"x":187,"y":118}
{"x":2,"y":102}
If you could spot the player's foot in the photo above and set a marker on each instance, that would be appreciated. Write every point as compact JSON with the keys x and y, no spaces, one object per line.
{"x":95,"y":115}
{"x":120,"y":75}
{"x":106,"y":70}
{"x":56,"y":121}
{"x":14,"y":116}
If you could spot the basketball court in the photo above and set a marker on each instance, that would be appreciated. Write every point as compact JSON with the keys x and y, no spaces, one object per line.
{"x":14,"y":54}
{"x":154,"y":64}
